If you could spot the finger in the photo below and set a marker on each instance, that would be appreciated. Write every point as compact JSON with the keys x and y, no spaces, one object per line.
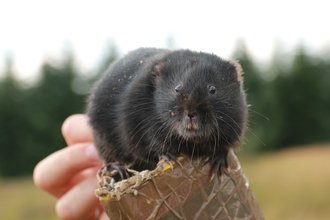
{"x":80,"y":202}
{"x":55,"y":172}
{"x":93,"y":171}
{"x":104,"y":216}
{"x":75,"y":129}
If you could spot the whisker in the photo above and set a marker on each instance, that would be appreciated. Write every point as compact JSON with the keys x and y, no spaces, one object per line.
{"x":151,"y":145}
{"x":192,"y":153}
{"x":220,"y":131}
{"x":249,"y":130}
{"x":141,"y":127}
{"x":258,"y":113}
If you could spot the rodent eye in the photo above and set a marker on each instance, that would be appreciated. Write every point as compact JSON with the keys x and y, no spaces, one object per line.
{"x":212,"y":89}
{"x":178,"y":88}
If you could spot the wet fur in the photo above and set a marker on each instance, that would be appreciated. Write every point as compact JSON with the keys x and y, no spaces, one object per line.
{"x":138,"y":113}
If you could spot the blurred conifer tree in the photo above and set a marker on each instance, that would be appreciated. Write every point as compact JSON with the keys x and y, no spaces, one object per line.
{"x":31,"y":118}
{"x":13,"y":124}
{"x":109,"y":55}
{"x":255,"y":87}
{"x":299,"y":96}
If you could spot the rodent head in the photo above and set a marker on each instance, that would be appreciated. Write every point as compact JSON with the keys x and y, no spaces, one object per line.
{"x":200,"y":97}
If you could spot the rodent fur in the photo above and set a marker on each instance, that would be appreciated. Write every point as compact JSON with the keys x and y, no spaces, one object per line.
{"x":157,"y":102}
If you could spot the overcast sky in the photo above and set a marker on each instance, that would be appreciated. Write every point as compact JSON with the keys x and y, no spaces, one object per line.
{"x":33,"y":29}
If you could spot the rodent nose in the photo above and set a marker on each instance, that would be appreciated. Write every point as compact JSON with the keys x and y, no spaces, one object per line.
{"x":192,"y":114}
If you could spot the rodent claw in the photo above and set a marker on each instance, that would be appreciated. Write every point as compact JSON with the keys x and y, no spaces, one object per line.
{"x":217,"y":164}
{"x":168,"y":157}
{"x":110,"y":167}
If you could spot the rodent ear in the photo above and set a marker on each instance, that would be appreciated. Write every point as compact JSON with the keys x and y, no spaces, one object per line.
{"x":239,"y":70}
{"x":156,"y":71}
{"x":157,"y":68}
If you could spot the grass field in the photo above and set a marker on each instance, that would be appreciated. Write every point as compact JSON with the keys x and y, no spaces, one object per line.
{"x":291,"y":184}
{"x":20,"y":199}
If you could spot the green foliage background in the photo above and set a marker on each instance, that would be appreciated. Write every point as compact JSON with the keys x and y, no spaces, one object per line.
{"x":290,"y":102}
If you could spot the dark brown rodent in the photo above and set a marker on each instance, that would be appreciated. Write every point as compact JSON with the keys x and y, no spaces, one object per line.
{"x":156,"y":102}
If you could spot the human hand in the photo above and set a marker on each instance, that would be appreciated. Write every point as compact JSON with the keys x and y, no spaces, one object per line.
{"x":70,"y":173}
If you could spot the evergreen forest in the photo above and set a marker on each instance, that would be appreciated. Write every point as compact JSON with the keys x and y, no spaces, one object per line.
{"x":289,"y":103}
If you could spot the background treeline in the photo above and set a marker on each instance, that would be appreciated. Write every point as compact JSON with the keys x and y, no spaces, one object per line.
{"x":290,"y":103}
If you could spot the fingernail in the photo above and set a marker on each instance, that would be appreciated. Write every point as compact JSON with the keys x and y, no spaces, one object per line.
{"x":92,"y":154}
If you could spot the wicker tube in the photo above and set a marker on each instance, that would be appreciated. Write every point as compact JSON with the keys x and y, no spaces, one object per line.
{"x":175,"y":192}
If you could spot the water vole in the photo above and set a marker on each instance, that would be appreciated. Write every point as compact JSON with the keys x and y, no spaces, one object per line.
{"x":156,"y":102}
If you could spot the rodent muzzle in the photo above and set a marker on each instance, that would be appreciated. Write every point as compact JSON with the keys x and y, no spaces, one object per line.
{"x":192,"y":126}
{"x":192,"y":114}
{"x":191,"y":120}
